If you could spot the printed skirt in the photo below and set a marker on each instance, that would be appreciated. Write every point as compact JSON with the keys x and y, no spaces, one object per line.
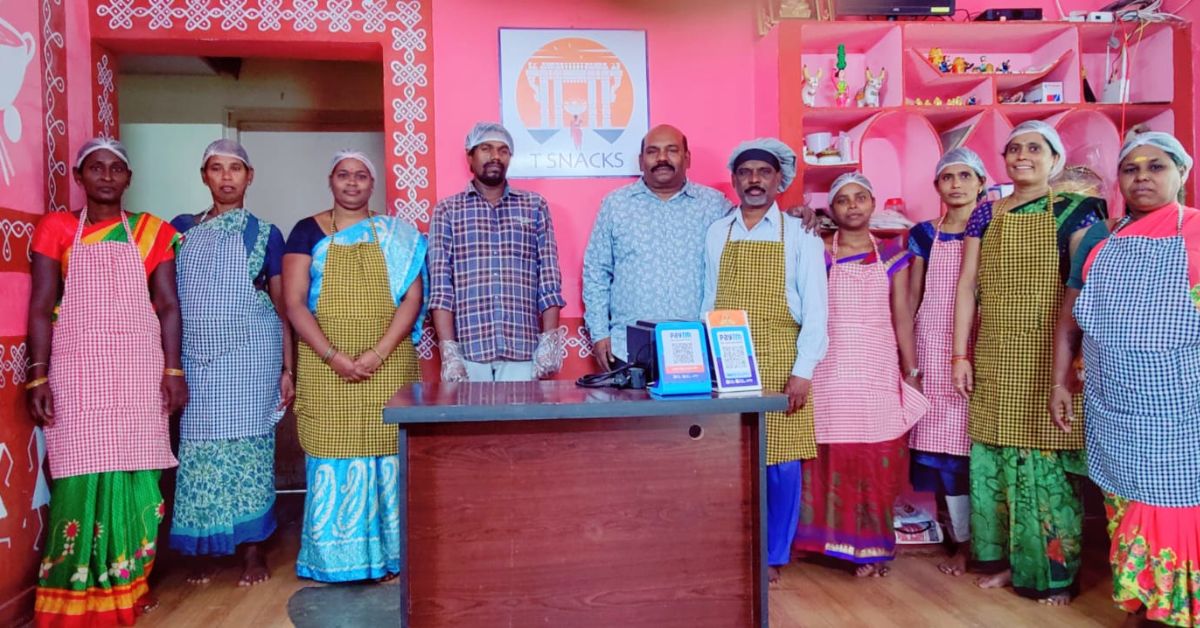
{"x":1155,"y":559}
{"x":225,"y":495}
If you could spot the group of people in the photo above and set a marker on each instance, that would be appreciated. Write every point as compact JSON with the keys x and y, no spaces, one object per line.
{"x":966,"y":360}
{"x":952,"y":359}
{"x":133,"y":320}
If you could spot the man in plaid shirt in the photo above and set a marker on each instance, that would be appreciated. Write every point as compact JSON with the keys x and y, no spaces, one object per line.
{"x":495,"y":287}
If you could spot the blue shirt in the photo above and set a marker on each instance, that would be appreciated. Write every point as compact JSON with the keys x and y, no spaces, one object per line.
{"x":645,"y":257}
{"x":804,"y":267}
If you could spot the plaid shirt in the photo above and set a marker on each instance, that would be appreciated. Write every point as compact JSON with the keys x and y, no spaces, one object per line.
{"x":496,"y":268}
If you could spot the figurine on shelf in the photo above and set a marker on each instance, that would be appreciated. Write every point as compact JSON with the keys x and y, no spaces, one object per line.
{"x":984,"y":67}
{"x":809,"y":95}
{"x":868,"y":96}
{"x":944,"y":66}
{"x":937,"y":101}
{"x":842,"y":99}
{"x":960,"y":66}
{"x":936,"y":58}
{"x":971,"y":100}
{"x":1006,"y":67}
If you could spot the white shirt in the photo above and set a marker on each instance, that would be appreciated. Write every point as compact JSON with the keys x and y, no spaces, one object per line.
{"x":804,"y":260}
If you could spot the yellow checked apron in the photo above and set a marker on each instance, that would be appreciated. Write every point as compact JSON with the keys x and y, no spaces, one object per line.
{"x":338,"y":419}
{"x":1020,"y":290}
{"x":753,"y":277}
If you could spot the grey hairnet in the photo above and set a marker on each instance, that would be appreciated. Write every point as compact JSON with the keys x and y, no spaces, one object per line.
{"x":782,"y":152}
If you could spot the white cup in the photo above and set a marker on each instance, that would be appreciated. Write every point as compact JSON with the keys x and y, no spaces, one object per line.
{"x":817,"y":142}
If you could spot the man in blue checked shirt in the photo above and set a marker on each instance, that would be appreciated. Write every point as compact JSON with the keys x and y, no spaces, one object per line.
{"x":495,"y":287}
{"x":645,"y":256}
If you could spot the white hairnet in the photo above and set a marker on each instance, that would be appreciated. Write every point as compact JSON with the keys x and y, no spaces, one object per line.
{"x":226,"y":148}
{"x":781,"y":151}
{"x":961,"y":156}
{"x":101,"y":143}
{"x":847,"y":179}
{"x":489,"y":132}
{"x":1162,"y":141}
{"x":346,"y":153}
{"x":1050,"y":135}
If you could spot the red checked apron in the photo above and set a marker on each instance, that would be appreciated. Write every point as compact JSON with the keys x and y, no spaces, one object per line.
{"x":106,"y":365}
{"x":943,"y":429}
{"x":858,"y":394}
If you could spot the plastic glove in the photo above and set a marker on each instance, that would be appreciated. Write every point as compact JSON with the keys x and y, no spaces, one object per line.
{"x":548,"y":356}
{"x":454,"y":368}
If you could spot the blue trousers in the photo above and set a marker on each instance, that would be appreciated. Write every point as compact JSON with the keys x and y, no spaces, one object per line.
{"x":783,"y":510}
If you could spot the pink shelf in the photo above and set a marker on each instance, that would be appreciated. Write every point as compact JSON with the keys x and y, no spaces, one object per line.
{"x":1149,"y":49}
{"x":892,"y":144}
{"x":873,"y":47}
{"x":1010,"y":82}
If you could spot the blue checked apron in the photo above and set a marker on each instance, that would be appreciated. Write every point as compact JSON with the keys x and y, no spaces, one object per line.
{"x":1141,"y":349}
{"x":232,"y":336}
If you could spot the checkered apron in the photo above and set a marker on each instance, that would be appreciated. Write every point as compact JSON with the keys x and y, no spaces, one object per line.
{"x":1141,"y":349}
{"x":1020,"y":290}
{"x":944,"y":428}
{"x":858,"y":394}
{"x":338,"y":419}
{"x":753,"y":276}
{"x":232,"y":339}
{"x":106,"y":365}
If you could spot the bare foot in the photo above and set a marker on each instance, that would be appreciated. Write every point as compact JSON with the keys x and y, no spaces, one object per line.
{"x":387,"y":578}
{"x":146,"y":604}
{"x":774,"y":574}
{"x":995,"y":581}
{"x":956,"y":565}
{"x":872,"y":570}
{"x":1058,"y":599}
{"x":254,"y":567}
{"x":202,"y":572}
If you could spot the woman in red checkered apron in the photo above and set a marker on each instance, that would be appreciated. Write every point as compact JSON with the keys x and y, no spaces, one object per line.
{"x":105,"y":375}
{"x":939,"y":443}
{"x":863,"y":407}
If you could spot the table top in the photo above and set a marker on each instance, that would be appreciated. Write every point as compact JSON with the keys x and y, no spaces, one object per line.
{"x":442,"y":402}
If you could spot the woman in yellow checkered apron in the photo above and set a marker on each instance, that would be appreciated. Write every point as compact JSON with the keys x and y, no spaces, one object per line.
{"x":1026,"y":514}
{"x":355,"y":294}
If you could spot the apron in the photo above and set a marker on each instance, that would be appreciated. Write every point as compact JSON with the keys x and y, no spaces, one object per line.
{"x":753,"y":277}
{"x":1141,"y":349}
{"x":232,"y":340}
{"x":339,"y":419}
{"x":106,"y":365}
{"x":944,"y":428}
{"x":1020,"y":290}
{"x":858,"y":394}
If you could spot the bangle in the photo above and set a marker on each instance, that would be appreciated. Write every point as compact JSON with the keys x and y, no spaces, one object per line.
{"x":377,"y":354}
{"x":174,"y":372}
{"x":288,"y":372}
{"x":36,"y":364}
{"x":1062,"y":386}
{"x":37,"y":382}
{"x":329,"y":353}
{"x":959,"y":358}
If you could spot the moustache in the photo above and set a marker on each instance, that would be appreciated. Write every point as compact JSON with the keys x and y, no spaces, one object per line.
{"x":755,"y":188}
{"x":665,"y":165}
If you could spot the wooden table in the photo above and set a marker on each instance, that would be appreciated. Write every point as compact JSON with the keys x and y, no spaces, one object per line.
{"x":545,"y":504}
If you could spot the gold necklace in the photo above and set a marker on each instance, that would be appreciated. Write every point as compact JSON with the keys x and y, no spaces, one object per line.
{"x":1002,"y":204}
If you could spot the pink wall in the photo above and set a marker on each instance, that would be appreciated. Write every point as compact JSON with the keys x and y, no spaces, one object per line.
{"x":702,"y":79}
{"x":22,"y":198}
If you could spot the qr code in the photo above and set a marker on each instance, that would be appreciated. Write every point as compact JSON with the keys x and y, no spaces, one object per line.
{"x":683,"y":351}
{"x":733,"y":352}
